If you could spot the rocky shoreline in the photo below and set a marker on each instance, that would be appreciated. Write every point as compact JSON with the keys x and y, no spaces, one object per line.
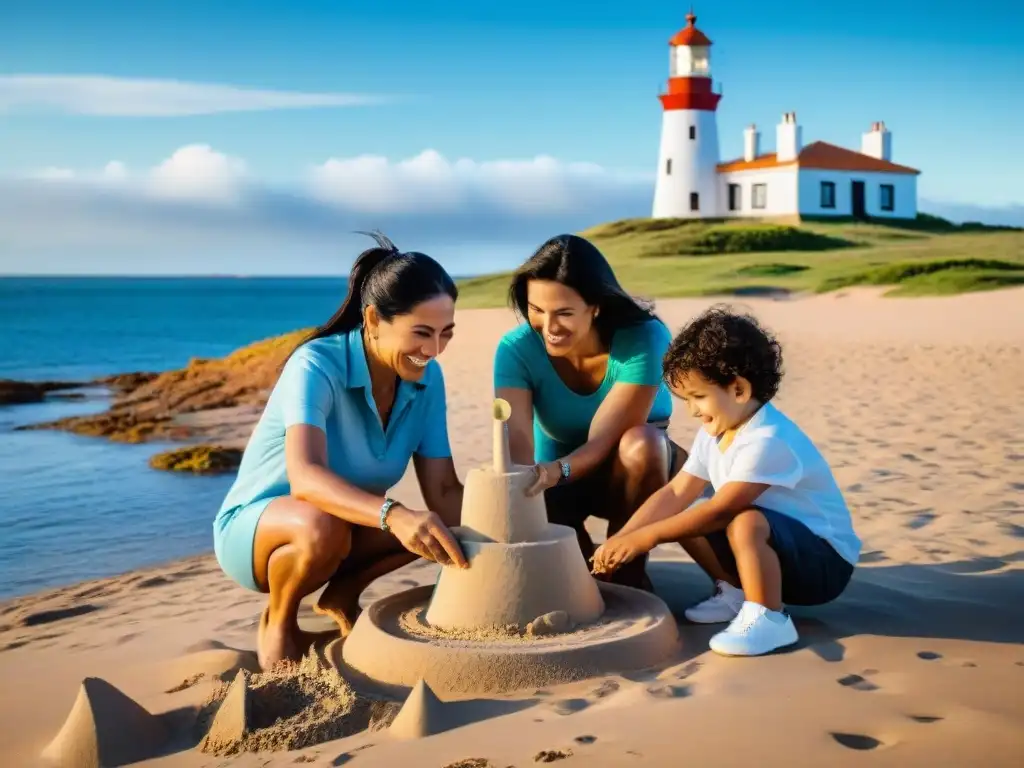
{"x":210,"y":404}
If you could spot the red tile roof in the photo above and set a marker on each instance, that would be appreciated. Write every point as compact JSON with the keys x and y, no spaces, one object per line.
{"x":820,"y":155}
{"x":761,"y":161}
{"x":689,"y":35}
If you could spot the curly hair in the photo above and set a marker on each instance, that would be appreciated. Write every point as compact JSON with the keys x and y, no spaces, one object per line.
{"x":722,"y":344}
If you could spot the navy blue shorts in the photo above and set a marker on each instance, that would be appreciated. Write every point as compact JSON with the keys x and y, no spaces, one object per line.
{"x":813,"y":573}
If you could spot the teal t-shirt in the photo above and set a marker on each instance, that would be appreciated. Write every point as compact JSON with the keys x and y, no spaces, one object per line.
{"x":561,"y":417}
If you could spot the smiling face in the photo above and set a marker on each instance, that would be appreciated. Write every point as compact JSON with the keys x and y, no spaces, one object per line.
{"x":718,"y":408}
{"x":560,"y":315}
{"x":406,"y":343}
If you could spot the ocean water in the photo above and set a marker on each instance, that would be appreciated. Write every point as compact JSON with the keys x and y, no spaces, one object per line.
{"x":73,"y":507}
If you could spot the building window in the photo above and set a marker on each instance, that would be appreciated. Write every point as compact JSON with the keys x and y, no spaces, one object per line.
{"x":828,"y":194}
{"x":693,"y":131}
{"x":759,"y":196}
{"x":734,"y":197}
{"x":694,"y":201}
{"x":668,"y":167}
{"x":888,"y":201}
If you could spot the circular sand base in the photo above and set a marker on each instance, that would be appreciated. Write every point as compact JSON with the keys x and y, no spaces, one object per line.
{"x":392,"y":647}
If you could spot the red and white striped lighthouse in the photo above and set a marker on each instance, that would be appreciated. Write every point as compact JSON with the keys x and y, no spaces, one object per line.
{"x":687,"y":182}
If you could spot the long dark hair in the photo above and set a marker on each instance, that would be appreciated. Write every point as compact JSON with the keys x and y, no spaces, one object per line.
{"x":391,"y":280}
{"x":577,"y":263}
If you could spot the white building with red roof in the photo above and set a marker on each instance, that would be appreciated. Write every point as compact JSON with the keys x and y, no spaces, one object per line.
{"x":815,"y":180}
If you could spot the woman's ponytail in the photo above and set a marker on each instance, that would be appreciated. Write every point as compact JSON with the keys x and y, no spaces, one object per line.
{"x":350,"y":314}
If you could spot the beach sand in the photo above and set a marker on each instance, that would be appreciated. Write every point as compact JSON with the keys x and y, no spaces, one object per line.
{"x":918,"y":404}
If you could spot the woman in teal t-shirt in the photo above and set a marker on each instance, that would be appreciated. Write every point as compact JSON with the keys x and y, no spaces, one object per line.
{"x":583,"y":376}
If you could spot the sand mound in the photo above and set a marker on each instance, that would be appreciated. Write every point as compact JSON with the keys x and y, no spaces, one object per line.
{"x":289,"y":707}
{"x":105,"y":728}
{"x":211,"y":664}
{"x":424,"y":714}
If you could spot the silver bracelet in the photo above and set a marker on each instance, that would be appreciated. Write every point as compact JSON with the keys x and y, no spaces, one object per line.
{"x":384,"y":509}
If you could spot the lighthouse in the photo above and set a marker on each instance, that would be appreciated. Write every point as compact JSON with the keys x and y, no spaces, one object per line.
{"x":687,"y":182}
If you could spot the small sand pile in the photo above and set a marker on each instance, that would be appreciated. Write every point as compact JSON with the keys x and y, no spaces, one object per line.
{"x":553,"y":626}
{"x":414,"y":622}
{"x":291,"y":706}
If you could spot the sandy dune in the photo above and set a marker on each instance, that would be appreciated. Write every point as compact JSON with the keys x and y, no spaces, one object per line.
{"x":919,"y":404}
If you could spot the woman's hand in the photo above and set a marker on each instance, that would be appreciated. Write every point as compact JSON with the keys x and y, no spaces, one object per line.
{"x":548,"y":475}
{"x":421,"y":532}
{"x":619,"y":550}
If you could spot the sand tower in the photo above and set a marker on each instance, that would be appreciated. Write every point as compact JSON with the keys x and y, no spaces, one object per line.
{"x":526,"y":613}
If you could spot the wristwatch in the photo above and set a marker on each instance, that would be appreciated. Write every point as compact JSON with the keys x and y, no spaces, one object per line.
{"x":564,"y":467}
{"x":384,"y":509}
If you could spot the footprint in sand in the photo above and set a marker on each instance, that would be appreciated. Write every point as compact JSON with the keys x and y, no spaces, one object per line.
{"x":857,"y":682}
{"x":921,"y":519}
{"x":607,"y":688}
{"x":551,"y":755}
{"x":680,"y":672}
{"x":570,"y":706}
{"x":857,"y":741}
{"x":929,"y":655}
{"x":669,"y":691}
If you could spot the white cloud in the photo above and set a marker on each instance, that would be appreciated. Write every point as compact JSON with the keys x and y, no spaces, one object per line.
{"x":194,"y":173}
{"x":114,"y":171}
{"x":200,"y":210}
{"x":429,"y":182}
{"x":197,"y":172}
{"x":131,"y":97}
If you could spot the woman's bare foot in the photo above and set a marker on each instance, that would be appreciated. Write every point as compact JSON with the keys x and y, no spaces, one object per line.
{"x":276,"y":643}
{"x":340,"y":602}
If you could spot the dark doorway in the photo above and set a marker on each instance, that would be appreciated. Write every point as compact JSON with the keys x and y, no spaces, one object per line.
{"x":857,"y":199}
{"x":734,"y":197}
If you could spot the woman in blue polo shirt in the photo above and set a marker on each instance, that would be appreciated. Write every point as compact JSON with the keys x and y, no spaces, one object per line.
{"x":359,"y":398}
{"x":583,"y":376}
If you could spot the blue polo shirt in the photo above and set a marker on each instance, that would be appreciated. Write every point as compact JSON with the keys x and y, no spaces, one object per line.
{"x":326,"y":384}
{"x":561,"y":417}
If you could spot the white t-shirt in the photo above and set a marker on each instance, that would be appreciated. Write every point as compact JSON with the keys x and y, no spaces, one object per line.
{"x":773,"y":450}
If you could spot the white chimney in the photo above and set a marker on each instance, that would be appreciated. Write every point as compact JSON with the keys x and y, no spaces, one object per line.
{"x":787,"y":138}
{"x":751,"y":143}
{"x":877,"y":142}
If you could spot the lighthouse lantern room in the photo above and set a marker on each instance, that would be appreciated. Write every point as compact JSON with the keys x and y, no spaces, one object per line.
{"x":687,"y":182}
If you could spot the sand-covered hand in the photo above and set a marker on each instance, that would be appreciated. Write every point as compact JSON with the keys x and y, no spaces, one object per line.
{"x":423,"y":533}
{"x":619,"y":550}
{"x":548,"y":475}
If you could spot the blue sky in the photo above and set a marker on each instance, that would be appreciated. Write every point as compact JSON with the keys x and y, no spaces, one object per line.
{"x":574,"y":81}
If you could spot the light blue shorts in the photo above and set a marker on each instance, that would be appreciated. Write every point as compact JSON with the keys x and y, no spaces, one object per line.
{"x":234,"y":538}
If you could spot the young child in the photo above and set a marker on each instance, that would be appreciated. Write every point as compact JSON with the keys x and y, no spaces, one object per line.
{"x":777,"y":530}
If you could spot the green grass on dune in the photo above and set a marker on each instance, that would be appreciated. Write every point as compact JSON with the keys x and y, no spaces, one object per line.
{"x":943,"y":276}
{"x":675,"y":257}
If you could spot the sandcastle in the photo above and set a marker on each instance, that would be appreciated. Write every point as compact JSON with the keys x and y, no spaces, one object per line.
{"x":526,"y":613}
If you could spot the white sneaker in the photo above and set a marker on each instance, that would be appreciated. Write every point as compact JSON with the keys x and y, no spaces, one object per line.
{"x":720,"y":607}
{"x":755,"y":631}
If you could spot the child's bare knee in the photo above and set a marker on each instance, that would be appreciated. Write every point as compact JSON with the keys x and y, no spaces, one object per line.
{"x":747,"y":528}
